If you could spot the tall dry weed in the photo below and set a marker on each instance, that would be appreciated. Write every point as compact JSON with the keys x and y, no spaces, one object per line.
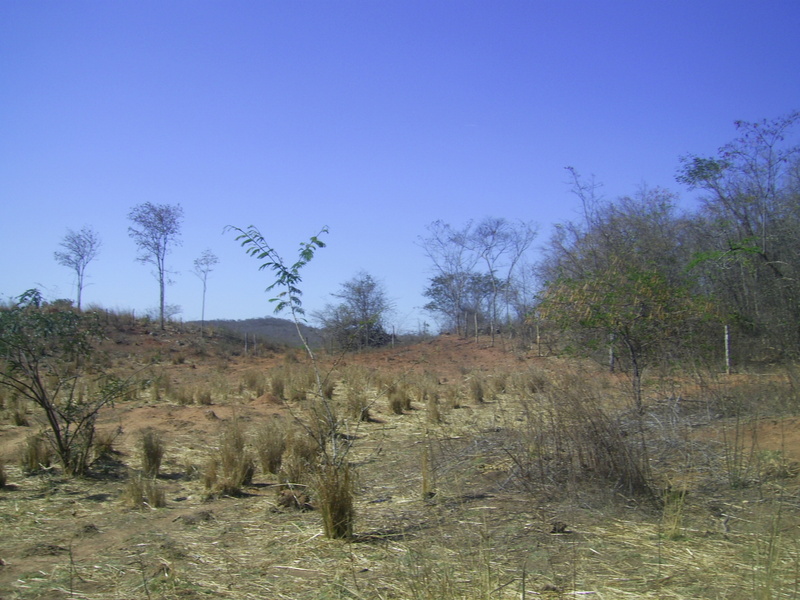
{"x":568,"y":436}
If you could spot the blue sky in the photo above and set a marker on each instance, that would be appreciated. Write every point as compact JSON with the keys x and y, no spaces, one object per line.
{"x":373,"y":118}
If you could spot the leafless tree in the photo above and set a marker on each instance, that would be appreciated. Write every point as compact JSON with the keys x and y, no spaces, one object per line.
{"x":203,"y":265}
{"x":156,"y":228}
{"x":500,"y":245}
{"x":80,"y":248}
{"x":454,"y":266}
{"x":456,"y":254}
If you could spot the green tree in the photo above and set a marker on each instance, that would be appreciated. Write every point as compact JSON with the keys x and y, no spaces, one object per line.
{"x":638,"y":310}
{"x":156,"y":228}
{"x":749,"y":229}
{"x":359,"y":320}
{"x":333,"y":481}
{"x":466,"y":301}
{"x":80,"y":248}
{"x":46,"y":353}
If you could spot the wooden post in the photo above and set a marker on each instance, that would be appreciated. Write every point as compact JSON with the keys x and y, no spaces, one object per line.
{"x":727,"y":350}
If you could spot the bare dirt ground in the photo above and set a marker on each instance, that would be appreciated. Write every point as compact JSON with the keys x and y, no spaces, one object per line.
{"x":481,"y":533}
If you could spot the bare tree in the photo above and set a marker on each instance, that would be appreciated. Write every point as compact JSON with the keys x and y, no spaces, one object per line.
{"x":500,"y":245}
{"x":454,"y":266}
{"x":80,"y":248}
{"x":456,"y":253}
{"x":202,"y":267}
{"x":156,"y":227}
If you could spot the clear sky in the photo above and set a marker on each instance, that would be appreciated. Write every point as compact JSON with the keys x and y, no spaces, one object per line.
{"x":373,"y":117}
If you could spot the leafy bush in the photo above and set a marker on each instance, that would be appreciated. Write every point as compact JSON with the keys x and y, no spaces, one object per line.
{"x":48,"y":352}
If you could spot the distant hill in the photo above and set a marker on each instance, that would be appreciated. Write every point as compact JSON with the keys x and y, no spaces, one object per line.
{"x":268,"y":329}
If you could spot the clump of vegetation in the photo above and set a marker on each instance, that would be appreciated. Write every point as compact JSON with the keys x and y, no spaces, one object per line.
{"x":48,"y":355}
{"x":3,"y":475}
{"x":476,"y":389}
{"x":271,"y":445}
{"x":277,"y":383}
{"x":232,"y":467}
{"x":36,"y":455}
{"x":301,"y":457}
{"x":356,"y":401}
{"x":334,"y":487}
{"x":399,"y":398}
{"x":569,"y":437}
{"x":255,"y":381}
{"x":104,"y":443}
{"x":152,"y":447}
{"x":430,"y":398}
{"x":143,"y":492}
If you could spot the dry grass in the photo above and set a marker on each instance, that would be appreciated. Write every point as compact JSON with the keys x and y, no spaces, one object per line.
{"x":143,"y":492}
{"x":271,"y":445}
{"x":36,"y":454}
{"x":231,"y":467}
{"x":334,"y":491}
{"x":152,"y":448}
{"x":531,"y":493}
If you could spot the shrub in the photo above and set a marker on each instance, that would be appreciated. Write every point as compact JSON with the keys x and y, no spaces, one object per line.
{"x":48,"y":353}
{"x":3,"y":476}
{"x":567,"y":437}
{"x":152,"y":447}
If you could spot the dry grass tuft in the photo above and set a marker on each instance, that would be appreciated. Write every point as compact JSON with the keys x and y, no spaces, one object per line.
{"x":399,"y":398}
{"x":104,"y":442}
{"x":271,"y":445}
{"x":152,"y":447}
{"x":477,"y":392}
{"x":36,"y":455}
{"x":143,"y":492}
{"x":334,"y":489}
{"x":232,"y":467}
{"x":301,"y":457}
